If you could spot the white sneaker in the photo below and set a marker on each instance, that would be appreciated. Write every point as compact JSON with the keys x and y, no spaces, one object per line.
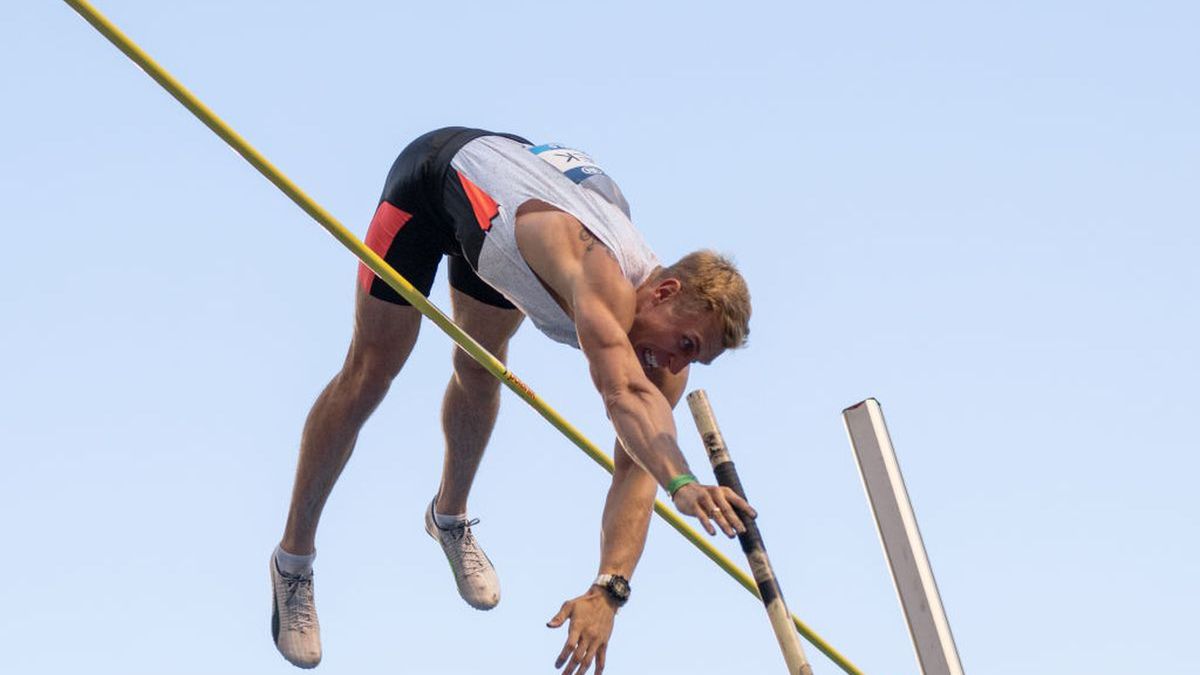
{"x":476,"y":578}
{"x":294,"y":617}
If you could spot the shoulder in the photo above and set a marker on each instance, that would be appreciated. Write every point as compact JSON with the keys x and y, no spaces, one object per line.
{"x":548,"y":241}
{"x":571,"y":260}
{"x":601,"y":279}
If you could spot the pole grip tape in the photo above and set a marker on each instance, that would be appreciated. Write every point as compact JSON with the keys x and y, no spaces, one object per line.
{"x":750,"y":540}
{"x":722,"y":465}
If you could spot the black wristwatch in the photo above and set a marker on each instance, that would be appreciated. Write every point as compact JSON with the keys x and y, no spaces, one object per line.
{"x":616,"y":586}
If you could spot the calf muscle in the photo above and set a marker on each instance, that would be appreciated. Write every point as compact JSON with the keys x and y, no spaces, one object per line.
{"x":383,"y":338}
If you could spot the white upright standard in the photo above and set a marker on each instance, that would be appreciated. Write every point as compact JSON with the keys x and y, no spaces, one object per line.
{"x":901,"y":539}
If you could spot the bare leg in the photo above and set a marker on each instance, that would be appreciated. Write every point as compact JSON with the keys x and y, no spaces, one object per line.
{"x":384,"y":335}
{"x":472,"y":398}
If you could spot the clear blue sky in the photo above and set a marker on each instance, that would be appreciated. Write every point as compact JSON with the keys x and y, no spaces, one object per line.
{"x":985,"y":215}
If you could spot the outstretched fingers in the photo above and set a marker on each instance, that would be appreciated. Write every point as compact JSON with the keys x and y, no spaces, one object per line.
{"x":580,"y":654}
{"x":581,"y":659}
{"x":570,"y":649}
{"x":590,"y":618}
{"x":557,"y":620}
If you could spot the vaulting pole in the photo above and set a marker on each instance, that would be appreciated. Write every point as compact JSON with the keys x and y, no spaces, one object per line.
{"x":414,"y":297}
{"x":751,"y":540}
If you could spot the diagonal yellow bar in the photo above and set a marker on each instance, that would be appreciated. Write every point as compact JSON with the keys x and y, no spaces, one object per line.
{"x":414,"y":297}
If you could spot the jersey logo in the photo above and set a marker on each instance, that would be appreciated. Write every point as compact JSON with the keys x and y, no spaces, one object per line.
{"x":578,"y":166}
{"x":574,"y":164}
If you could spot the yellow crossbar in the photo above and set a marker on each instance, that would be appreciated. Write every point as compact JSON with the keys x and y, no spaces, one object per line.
{"x":414,"y":297}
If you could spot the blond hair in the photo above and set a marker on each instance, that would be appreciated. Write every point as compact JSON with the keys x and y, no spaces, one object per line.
{"x":711,"y":282}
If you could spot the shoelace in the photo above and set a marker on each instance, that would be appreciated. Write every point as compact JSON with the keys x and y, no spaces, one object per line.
{"x":299,"y":601}
{"x":466,"y":553}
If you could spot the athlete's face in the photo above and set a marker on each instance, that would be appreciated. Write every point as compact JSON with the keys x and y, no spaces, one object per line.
{"x":668,"y":334}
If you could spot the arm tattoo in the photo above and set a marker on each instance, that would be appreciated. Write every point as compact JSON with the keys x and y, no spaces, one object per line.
{"x":586,"y":236}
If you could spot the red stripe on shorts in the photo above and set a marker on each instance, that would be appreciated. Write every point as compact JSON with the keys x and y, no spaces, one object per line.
{"x":384,"y":226}
{"x":481,"y":203}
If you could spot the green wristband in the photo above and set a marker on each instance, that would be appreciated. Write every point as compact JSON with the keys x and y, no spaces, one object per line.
{"x":678,"y":482}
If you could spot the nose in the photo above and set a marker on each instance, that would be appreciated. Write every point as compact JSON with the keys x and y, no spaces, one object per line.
{"x":675,"y":364}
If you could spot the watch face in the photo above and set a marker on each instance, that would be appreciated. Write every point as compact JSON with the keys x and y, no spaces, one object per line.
{"x":619,"y":587}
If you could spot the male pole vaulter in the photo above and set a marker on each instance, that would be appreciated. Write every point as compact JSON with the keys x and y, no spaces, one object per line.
{"x":537,"y":231}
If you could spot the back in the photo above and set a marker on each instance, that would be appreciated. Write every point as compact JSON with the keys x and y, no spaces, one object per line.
{"x":511,"y":174}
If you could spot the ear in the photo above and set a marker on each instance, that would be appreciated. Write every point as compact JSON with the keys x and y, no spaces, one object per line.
{"x":666,"y":289}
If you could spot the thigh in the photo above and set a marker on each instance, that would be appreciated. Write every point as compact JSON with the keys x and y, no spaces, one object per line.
{"x":411,"y":243}
{"x":465,"y":280}
{"x":491,"y":326}
{"x":384,"y":335}
{"x":407,"y":231}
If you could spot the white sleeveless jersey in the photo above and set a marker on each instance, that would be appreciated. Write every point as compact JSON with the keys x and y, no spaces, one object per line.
{"x":512,"y":173}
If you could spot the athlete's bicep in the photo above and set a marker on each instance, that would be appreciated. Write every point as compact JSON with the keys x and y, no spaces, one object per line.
{"x":604,"y":340}
{"x":604,"y":304}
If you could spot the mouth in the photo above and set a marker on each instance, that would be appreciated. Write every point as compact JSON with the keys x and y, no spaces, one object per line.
{"x":648,"y":358}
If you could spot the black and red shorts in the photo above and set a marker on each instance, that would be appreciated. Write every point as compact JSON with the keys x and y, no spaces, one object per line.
{"x":424,"y":214}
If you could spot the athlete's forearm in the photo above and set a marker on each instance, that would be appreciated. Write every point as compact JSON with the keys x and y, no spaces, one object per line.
{"x":645,"y":426}
{"x":626,"y":516}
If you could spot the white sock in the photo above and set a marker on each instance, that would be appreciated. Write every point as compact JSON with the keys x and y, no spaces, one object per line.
{"x":290,"y":563}
{"x":448,"y":521}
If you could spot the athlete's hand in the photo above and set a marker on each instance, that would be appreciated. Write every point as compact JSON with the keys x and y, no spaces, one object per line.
{"x":591,"y":623}
{"x":720,"y":504}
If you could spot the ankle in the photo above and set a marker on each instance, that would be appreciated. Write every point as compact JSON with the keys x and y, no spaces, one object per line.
{"x":448,"y":520}
{"x":292,"y":563}
{"x":447,"y":505}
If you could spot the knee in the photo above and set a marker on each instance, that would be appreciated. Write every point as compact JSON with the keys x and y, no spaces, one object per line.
{"x":472,"y":376}
{"x":368,"y":373}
